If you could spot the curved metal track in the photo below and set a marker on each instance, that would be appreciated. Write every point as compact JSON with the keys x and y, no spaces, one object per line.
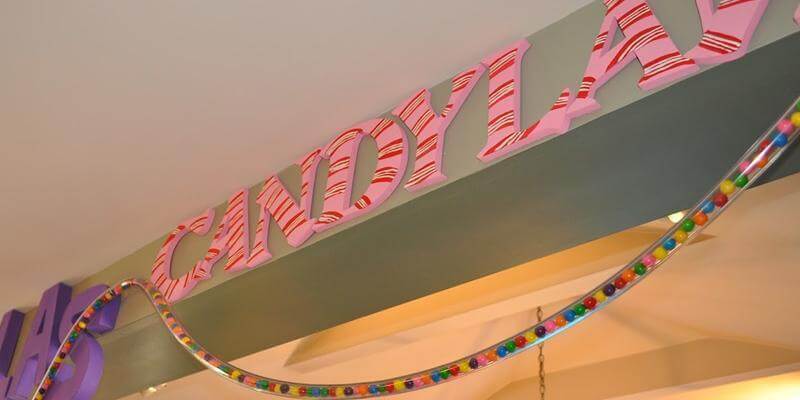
{"x":759,"y":157}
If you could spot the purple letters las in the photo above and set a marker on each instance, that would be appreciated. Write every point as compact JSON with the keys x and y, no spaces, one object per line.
{"x":53,"y":319}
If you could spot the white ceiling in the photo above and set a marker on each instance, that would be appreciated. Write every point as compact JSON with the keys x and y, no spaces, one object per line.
{"x":120,"y":119}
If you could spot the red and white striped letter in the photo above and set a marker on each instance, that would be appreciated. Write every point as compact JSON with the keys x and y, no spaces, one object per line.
{"x":293,"y":218}
{"x":231,"y":237}
{"x":342,"y":151}
{"x":233,"y":233}
{"x":644,"y":39}
{"x":726,"y":32}
{"x":505,"y":134}
{"x":161,"y":274}
{"x":430,"y":128}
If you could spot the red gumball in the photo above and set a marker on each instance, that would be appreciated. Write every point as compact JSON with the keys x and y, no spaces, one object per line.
{"x":590,"y":302}
{"x":620,"y":283}
{"x":720,"y":199}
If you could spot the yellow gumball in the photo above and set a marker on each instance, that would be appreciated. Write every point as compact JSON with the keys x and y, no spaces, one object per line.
{"x":660,"y":253}
{"x":339,"y":391}
{"x":599,"y":296}
{"x":727,"y":187}
{"x":796,"y":119}
{"x":680,"y":236}
{"x":464,"y":366}
{"x":530,"y":336}
{"x":399,"y":385}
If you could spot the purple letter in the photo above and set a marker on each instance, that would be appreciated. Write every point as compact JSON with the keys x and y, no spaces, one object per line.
{"x":41,"y":343}
{"x":80,"y":382}
{"x":9,"y":335}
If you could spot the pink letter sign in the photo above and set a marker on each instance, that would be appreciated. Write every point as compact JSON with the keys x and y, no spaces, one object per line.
{"x":645,"y":39}
{"x":231,"y":237}
{"x":161,"y":274}
{"x":797,"y":16}
{"x":342,"y":152}
{"x":504,"y":131}
{"x":429,"y":128}
{"x":726,"y":32}
{"x":293,"y":218}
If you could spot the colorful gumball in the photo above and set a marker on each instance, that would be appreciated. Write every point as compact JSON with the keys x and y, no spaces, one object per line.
{"x":640,"y":269}
{"x":590,"y":303}
{"x":660,"y":253}
{"x":629,"y":276}
{"x":741,"y":181}
{"x":720,"y":199}
{"x":700,"y":218}
{"x":541,"y":331}
{"x":795,"y":119}
{"x":785,"y":126}
{"x":580,"y":310}
{"x":780,"y":140}
{"x":610,"y":289}
{"x":708,"y":207}
{"x":680,"y":236}
{"x":727,"y":187}
{"x":599,"y":296}
{"x":744,"y":167}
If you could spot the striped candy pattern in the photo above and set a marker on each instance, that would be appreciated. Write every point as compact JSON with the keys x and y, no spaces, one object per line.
{"x":392,"y":158}
{"x":727,"y":31}
{"x":231,"y":237}
{"x":430,"y":128}
{"x":504,"y":132}
{"x":293,"y":218}
{"x":161,"y":272}
{"x":644,"y":39}
{"x":769,"y":147}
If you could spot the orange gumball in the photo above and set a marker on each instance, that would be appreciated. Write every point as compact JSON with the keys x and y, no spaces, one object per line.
{"x":561,"y":321}
{"x":492,"y":356}
{"x":629,"y":275}
{"x":762,"y":162}
{"x":700,"y":218}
